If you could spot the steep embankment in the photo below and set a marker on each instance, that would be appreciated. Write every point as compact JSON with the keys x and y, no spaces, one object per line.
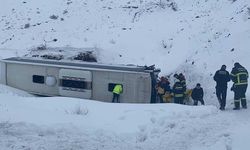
{"x":194,"y":37}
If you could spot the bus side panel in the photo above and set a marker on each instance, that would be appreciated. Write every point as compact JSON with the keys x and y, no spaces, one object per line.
{"x":100,"y":83}
{"x":136,"y":86}
{"x":144,"y":88}
{"x":21,"y":76}
{"x":3,"y":73}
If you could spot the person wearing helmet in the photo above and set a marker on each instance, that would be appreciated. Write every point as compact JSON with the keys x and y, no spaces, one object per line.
{"x":178,"y":92}
{"x":182,"y":79}
{"x":239,"y":76}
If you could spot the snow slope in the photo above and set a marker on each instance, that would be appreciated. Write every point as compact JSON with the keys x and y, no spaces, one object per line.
{"x":67,"y":123}
{"x":194,"y":37}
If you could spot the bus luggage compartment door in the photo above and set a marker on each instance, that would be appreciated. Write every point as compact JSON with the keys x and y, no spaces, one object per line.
{"x":75,"y":83}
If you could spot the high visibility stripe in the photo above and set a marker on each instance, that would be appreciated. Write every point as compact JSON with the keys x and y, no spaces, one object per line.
{"x":178,"y":95}
{"x":243,"y":83}
{"x":238,"y":78}
{"x":237,"y":100}
{"x":241,"y":73}
{"x":178,"y":87}
{"x":233,"y":75}
{"x":243,"y":98}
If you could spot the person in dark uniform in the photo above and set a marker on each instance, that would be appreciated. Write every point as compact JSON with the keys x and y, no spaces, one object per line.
{"x":239,"y":76}
{"x":182,"y":79}
{"x":178,"y":91}
{"x":197,"y":94}
{"x":222,"y":77}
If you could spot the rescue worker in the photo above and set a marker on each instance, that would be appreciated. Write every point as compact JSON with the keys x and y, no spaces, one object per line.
{"x":116,"y":93}
{"x":160,"y":91}
{"x":183,"y":81}
{"x":178,"y":92}
{"x":197,"y":94}
{"x":167,"y":91}
{"x":221,"y":78}
{"x":162,"y":87}
{"x":239,"y":76}
{"x":176,"y":76}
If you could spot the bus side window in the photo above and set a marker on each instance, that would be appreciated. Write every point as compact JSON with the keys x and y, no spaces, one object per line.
{"x":112,"y":85}
{"x":38,"y":79}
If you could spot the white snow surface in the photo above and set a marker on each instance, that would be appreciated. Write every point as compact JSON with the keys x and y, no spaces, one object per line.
{"x":196,"y":39}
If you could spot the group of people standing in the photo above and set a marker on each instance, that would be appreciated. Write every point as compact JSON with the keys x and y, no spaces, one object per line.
{"x":179,"y":91}
{"x":239,"y":76}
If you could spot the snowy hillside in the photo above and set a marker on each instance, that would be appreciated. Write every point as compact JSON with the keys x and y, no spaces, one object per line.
{"x":194,"y":37}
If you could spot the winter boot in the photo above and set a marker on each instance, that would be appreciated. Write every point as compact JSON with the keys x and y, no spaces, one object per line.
{"x":236,"y":104}
{"x":222,"y":108}
{"x":244,"y":103}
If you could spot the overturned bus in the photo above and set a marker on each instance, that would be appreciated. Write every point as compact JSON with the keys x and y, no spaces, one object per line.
{"x":79,"y":79}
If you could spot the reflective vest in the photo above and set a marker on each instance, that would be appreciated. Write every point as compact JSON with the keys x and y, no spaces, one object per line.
{"x":178,"y":89}
{"x":239,"y":76}
{"x":117,"y":89}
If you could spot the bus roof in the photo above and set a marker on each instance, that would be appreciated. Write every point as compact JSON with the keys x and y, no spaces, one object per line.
{"x":77,"y":63}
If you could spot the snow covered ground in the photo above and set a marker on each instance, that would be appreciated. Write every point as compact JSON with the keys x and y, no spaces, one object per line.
{"x":67,"y":123}
{"x":194,"y":37}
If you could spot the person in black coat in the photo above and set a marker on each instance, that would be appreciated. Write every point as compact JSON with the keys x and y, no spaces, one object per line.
{"x":221,"y":77}
{"x":197,"y":94}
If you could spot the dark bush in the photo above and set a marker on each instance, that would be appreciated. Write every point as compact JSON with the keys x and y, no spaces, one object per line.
{"x":51,"y":56}
{"x":85,"y":56}
{"x":54,"y":17}
{"x":65,"y":12}
{"x":26,"y":26}
{"x":41,"y":47}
